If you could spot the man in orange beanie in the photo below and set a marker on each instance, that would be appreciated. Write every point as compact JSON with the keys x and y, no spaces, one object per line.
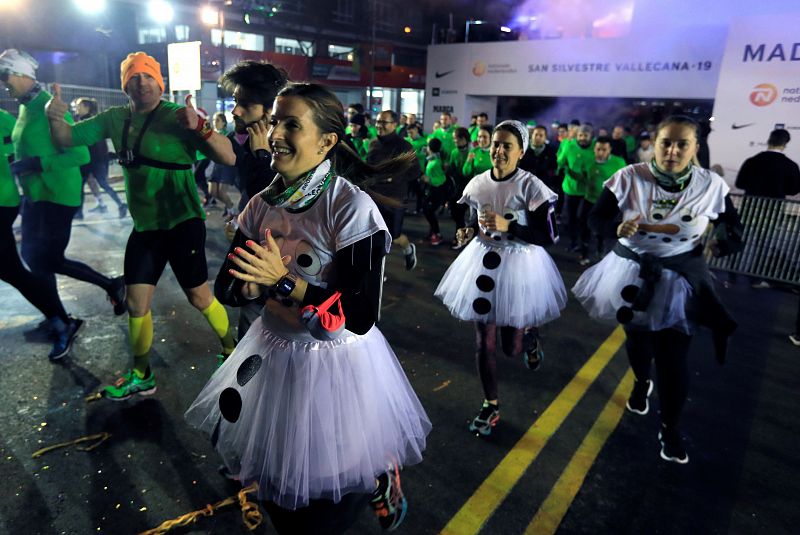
{"x":157,"y":142}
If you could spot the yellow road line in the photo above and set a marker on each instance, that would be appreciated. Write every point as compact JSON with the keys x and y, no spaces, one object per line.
{"x":482,"y":504}
{"x":555,"y":506}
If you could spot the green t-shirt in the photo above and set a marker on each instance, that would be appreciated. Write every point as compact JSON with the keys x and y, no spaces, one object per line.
{"x":630,"y":144}
{"x":434,"y":170}
{"x":60,"y":180}
{"x":158,"y":199}
{"x":419,"y":145}
{"x":480,"y":163}
{"x":572,"y":159}
{"x":9,"y":194}
{"x":446,"y":137}
{"x":597,"y":173}
{"x":455,"y":164}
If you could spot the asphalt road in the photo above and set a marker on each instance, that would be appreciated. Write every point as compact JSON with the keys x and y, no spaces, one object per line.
{"x":564,"y":458}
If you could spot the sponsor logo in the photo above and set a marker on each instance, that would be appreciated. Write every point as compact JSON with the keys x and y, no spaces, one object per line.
{"x":435,"y":91}
{"x":442,"y":74}
{"x":479,"y":68}
{"x":738,"y":126}
{"x":443,"y":108}
{"x":763,"y":95}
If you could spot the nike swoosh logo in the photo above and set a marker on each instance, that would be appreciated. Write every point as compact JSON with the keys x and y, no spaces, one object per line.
{"x":738,"y":126}
{"x":440,"y":74}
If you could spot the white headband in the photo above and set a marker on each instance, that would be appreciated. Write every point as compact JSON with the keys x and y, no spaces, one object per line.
{"x":18,"y":62}
{"x":521,"y":128}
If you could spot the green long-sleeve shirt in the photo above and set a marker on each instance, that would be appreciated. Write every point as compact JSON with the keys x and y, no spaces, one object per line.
{"x":480,"y":163}
{"x":60,"y":180}
{"x":571,"y":158}
{"x":446,"y":137}
{"x":419,"y":144}
{"x":9,"y":194}
{"x":434,"y":170}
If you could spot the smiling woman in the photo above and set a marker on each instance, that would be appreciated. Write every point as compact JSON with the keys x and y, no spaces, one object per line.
{"x":326,"y":419}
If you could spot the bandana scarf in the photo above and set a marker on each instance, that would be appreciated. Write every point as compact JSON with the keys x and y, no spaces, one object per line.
{"x":303,"y":192}
{"x":669,"y":181}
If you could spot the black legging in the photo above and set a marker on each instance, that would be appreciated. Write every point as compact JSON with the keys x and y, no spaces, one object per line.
{"x":320,"y":517}
{"x":573,"y":204}
{"x":36,"y":291}
{"x":486,"y":345}
{"x":669,"y":348}
{"x":46,"y":229}
{"x":433,"y":200}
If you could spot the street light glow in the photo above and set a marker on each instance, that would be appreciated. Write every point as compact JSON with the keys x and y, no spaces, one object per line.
{"x":505,"y":29}
{"x":91,"y":7}
{"x":209,"y":16}
{"x":160,"y":11}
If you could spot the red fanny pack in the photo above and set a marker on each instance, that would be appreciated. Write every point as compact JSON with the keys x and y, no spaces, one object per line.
{"x":322,"y":323}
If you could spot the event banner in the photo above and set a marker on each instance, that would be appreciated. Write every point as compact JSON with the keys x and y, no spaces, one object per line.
{"x":758,"y":91}
{"x":680,"y":64}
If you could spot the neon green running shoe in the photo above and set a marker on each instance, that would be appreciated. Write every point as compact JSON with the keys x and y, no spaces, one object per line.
{"x":130,"y":384}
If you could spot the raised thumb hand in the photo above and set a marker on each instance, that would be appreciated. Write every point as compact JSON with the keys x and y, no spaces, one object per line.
{"x":189,"y":101}
{"x":57,"y":91}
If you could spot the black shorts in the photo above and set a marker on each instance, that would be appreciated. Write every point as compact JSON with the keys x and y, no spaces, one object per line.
{"x":394,"y":218}
{"x":183,"y":246}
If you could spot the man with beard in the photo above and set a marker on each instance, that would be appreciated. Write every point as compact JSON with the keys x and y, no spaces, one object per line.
{"x":254,"y":85}
{"x":157,"y":142}
{"x":392,"y":191}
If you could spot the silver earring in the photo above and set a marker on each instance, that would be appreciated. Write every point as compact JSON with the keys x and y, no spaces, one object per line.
{"x":321,"y":150}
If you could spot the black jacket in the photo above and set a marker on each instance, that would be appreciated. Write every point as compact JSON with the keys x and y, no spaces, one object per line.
{"x":769,"y":174}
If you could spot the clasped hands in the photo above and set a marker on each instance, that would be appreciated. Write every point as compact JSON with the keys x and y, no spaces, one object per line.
{"x":493,"y":221}
{"x":261,"y":266}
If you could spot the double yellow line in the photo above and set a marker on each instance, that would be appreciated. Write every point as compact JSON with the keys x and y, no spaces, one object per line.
{"x":488,"y":497}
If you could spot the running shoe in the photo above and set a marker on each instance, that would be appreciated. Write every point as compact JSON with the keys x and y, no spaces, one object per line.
{"x":387,"y":501}
{"x":436,"y":239}
{"x":486,"y":419}
{"x":130,"y":384}
{"x":637,"y":402}
{"x":117,"y":295}
{"x":99,"y":209}
{"x":123,"y":210}
{"x":672,"y":446}
{"x":411,"y":258}
{"x":64,"y":340}
{"x":534,"y":354}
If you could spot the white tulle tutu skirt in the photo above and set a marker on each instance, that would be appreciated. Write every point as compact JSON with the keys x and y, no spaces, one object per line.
{"x":311,"y":420}
{"x":599,"y":289}
{"x":509,"y":286}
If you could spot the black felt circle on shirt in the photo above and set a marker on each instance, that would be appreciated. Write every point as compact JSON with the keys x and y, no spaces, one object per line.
{"x":247,"y":369}
{"x":658,"y":216}
{"x":481,"y":305}
{"x":230,"y":404}
{"x":629,"y":293}
{"x":304,"y":260}
{"x":491,"y":260}
{"x":666,"y":240}
{"x":686,"y":218}
{"x":624,"y":314}
{"x":485,"y":283}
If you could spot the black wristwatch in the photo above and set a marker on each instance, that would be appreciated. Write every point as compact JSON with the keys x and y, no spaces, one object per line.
{"x":285,"y":286}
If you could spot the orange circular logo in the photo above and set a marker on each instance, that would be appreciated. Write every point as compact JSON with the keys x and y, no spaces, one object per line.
{"x":763,"y":94}
{"x":479,"y":69}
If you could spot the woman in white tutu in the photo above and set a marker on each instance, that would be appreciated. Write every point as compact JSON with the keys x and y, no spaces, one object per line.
{"x":656,"y":281}
{"x":316,"y":410}
{"x":504,"y":278}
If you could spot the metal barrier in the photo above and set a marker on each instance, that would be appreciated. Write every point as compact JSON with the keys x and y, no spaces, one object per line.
{"x":772,"y":240}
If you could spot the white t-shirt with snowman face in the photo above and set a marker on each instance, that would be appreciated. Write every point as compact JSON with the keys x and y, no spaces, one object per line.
{"x":687,"y":212}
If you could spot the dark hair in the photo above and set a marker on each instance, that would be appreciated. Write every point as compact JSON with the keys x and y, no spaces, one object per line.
{"x":511,"y":129}
{"x":446,"y":113}
{"x":356,"y":106}
{"x":258,"y":80}
{"x":778,"y":138}
{"x":486,"y":127}
{"x":680,"y":120}
{"x":90,"y":103}
{"x":392,"y":114}
{"x":483,"y":114}
{"x":462,"y":132}
{"x":435,"y":144}
{"x":541,"y":127}
{"x":602,"y":139}
{"x":328,"y":115}
{"x":575,"y":122}
{"x":358,"y":119}
{"x":222,"y":115}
